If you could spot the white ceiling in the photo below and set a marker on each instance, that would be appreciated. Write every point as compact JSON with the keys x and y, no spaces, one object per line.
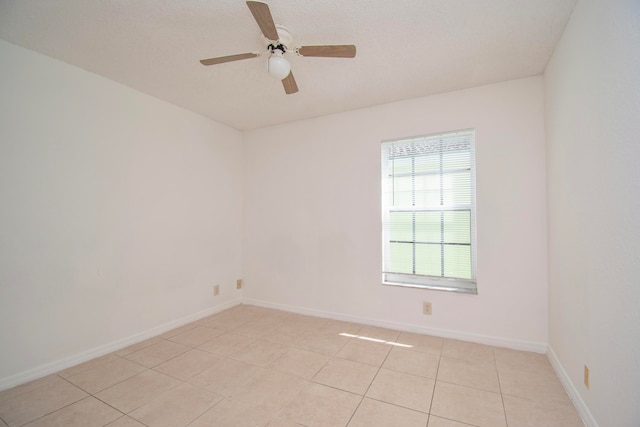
{"x":405,"y":49}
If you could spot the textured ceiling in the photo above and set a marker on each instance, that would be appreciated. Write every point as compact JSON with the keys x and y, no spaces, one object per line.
{"x":405,"y":49}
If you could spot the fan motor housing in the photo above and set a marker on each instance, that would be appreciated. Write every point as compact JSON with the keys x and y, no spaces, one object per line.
{"x":284,"y":37}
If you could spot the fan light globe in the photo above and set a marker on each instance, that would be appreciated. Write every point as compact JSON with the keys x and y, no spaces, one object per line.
{"x":279,"y":67}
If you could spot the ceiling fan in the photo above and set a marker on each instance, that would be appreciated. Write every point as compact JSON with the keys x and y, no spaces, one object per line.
{"x":279,"y":42}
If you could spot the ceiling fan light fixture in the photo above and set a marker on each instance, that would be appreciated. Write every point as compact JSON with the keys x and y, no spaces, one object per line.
{"x":278,"y":40}
{"x":278,"y":66}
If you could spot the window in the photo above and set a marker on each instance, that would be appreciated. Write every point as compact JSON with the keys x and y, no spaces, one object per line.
{"x":428,"y":212}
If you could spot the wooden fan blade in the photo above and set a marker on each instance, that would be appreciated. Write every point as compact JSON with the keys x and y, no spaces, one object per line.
{"x":262,"y":15}
{"x":332,"y":51}
{"x":223,"y":59}
{"x":289,"y":84}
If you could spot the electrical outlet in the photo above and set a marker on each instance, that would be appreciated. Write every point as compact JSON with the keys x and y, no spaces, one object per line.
{"x":216,"y":290}
{"x":239,"y":284}
{"x":586,"y":376}
{"x":426,"y":308}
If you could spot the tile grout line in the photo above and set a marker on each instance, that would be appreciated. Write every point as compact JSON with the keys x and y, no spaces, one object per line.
{"x":372,"y":380}
{"x":57,"y":409}
{"x":504,"y":408}
{"x":331,"y":357}
{"x":127,"y":413}
{"x":435,"y":383}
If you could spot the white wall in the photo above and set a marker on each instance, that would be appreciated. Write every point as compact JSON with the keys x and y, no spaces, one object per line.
{"x":312,"y":216}
{"x":592,"y":96}
{"x":118,"y":213}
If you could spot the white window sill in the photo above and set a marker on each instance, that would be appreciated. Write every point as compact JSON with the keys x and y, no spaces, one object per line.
{"x":451,"y":288}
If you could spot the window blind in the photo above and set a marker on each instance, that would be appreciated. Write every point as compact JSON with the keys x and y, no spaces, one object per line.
{"x":428,"y":211}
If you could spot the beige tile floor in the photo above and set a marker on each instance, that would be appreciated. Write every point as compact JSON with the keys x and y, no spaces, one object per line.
{"x":251,"y":366}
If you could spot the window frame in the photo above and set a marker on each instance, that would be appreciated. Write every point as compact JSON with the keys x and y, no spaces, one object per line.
{"x":444,"y":283}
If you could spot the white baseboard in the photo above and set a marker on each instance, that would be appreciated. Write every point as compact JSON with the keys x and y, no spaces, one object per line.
{"x":407,"y":327}
{"x":578,"y":402}
{"x":67,"y":362}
